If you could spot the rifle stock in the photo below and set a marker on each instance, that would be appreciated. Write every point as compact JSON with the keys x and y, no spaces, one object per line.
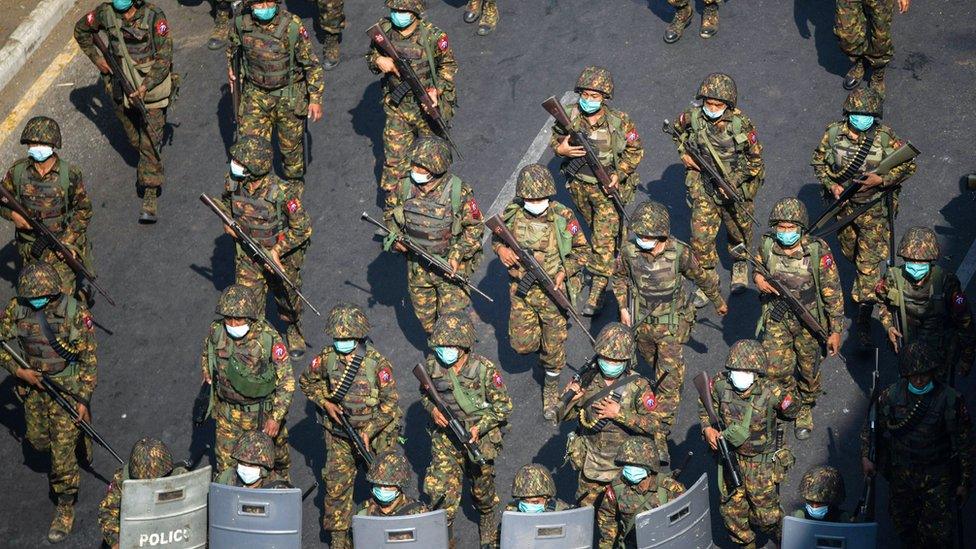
{"x":453,"y":423}
{"x":733,"y":475}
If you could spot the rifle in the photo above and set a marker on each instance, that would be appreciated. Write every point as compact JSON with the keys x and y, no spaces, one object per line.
{"x":355,"y":439}
{"x":308,"y":491}
{"x":842,"y":222}
{"x":729,"y":461}
{"x":255,"y":249}
{"x":430,"y":259}
{"x":409,"y":77}
{"x":237,"y":67}
{"x":865,"y":505}
{"x":583,"y":376}
{"x":896,"y":312}
{"x":534,"y":273}
{"x":50,"y":241}
{"x":460,"y":434}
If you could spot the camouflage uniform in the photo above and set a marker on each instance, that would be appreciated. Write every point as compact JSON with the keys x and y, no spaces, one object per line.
{"x":473,"y":388}
{"x":823,"y":485}
{"x":619,"y":148}
{"x":485,"y":12}
{"x":390,"y":468}
{"x":278,"y":222}
{"x":443,"y":218}
{"x":371,"y":403}
{"x":682,"y":18}
{"x":253,"y":448}
{"x":73,"y":367}
{"x":57,"y":199}
{"x":429,"y":53}
{"x":332,"y":19}
{"x":593,"y":447}
{"x":863,"y":29}
{"x":535,"y":323}
{"x":925,"y":452}
{"x":143,"y":47}
{"x":625,"y":500}
{"x":934,"y":309}
{"x":750,"y":417}
{"x":533,"y":481}
{"x":281,"y":78}
{"x":251,"y":378}
{"x":662,"y":312}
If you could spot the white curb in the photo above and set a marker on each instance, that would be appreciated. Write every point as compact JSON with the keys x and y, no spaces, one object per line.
{"x":29,"y":35}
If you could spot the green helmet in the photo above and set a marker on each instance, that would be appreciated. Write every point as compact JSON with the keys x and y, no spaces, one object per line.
{"x":535,"y":181}
{"x":42,"y":129}
{"x":239,"y":302}
{"x":822,"y":484}
{"x":596,"y":79}
{"x":916,"y":358}
{"x":652,"y":220}
{"x":864,"y":101}
{"x":919,"y":244}
{"x":255,"y":448}
{"x":38,"y":279}
{"x":431,"y":153}
{"x":389,"y":469}
{"x":789,"y":210}
{"x":533,"y":480}
{"x":416,"y":6}
{"x":149,"y":458}
{"x":747,"y":355}
{"x":640,"y":451}
{"x":454,"y":330}
{"x":254,"y":153}
{"x":347,"y":321}
{"x":615,"y":341}
{"x":718,"y":86}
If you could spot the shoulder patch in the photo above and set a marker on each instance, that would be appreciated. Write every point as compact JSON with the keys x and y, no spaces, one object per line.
{"x":958,"y":301}
{"x":881,"y":287}
{"x":162,"y":27}
{"x":753,"y":138}
{"x":90,"y":18}
{"x":496,"y":378}
{"x":827,"y":261}
{"x":293,"y":205}
{"x":442,"y":43}
{"x":573,"y":227}
{"x":632,"y":136}
{"x":316,"y":363}
{"x":473,"y":209}
{"x":610,"y":495}
{"x":303,"y":32}
{"x":787,"y":402}
{"x":89,"y":321}
{"x":649,"y":401}
{"x":279,"y":352}
{"x":385,"y":375}
{"x":683,"y":119}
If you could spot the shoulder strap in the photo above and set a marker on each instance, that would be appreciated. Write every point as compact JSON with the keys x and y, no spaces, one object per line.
{"x":425,"y":37}
{"x":832,"y":132}
{"x":816,"y":254}
{"x":564,"y":240}
{"x":609,"y":389}
{"x":20,"y":169}
{"x":64,"y":182}
{"x":455,"y":185}
{"x":662,"y":494}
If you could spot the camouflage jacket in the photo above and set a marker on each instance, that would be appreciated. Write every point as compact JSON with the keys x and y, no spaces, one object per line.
{"x":744,"y":160}
{"x":623,"y":152}
{"x":403,"y":505}
{"x":294,"y":225}
{"x":434,"y":52}
{"x":565,"y":249}
{"x":109,"y":510}
{"x":625,"y":501}
{"x":768,"y":402}
{"x":828,"y":159}
{"x":76,"y":206}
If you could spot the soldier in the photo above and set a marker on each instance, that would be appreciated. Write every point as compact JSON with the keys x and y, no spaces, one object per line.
{"x":55,"y":332}
{"x":223,"y":10}
{"x":429,"y":52}
{"x":389,"y":475}
{"x":851,"y":148}
{"x":612,"y":406}
{"x":53,"y":191}
{"x":332,"y":19}
{"x":650,"y":275}
{"x":436,"y":210}
{"x":138,"y":37}
{"x":923,"y":301}
{"x":485,"y":12}
{"x":822,"y":489}
{"x":254,"y":454}
{"x":249,"y":371}
{"x":259,"y":201}
{"x":926,"y":450}
{"x":750,"y":404}
{"x":618,"y":145}
{"x":863,"y":28}
{"x":150,"y":458}
{"x":550,"y":231}
{"x":350,"y":378}
{"x":639,"y":488}
{"x":804,"y":264}
{"x":472,"y":387}
{"x":682,"y":18}
{"x":719,"y":127}
{"x":533,"y":491}
{"x":281,"y":82}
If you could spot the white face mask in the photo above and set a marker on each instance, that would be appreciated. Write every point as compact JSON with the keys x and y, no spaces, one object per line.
{"x":249,"y":473}
{"x":646,"y":244}
{"x":742,"y":380}
{"x":713,"y":115}
{"x":536,"y":207}
{"x":236,"y":332}
{"x":420,"y":178}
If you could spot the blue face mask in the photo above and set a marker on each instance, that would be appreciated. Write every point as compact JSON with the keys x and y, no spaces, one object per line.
{"x":634,"y":474}
{"x":39,"y":302}
{"x":817,"y":512}
{"x":787,"y":238}
{"x":860,"y":122}
{"x":447,"y":355}
{"x":401,"y":19}
{"x":121,"y":5}
{"x":39,"y":153}
{"x":589,"y":106}
{"x":917,"y":271}
{"x":713,"y":115}
{"x":611,"y":368}
{"x":921,"y":390}
{"x":344,"y":346}
{"x":265,"y":14}
{"x":385,"y":495}
{"x":237,"y":171}
{"x":526,"y":507}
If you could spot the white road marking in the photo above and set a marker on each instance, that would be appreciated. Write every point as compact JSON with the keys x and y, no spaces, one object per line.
{"x":38,"y":88}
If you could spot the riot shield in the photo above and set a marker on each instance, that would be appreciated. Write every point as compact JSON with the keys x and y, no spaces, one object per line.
{"x":255,"y":518}
{"x":681,"y":524}
{"x":801,"y":533}
{"x":572,"y":529}
{"x":426,"y":530}
{"x":166,"y":512}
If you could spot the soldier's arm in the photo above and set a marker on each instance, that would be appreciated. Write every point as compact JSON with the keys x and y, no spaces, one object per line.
{"x":392,"y":202}
{"x":233,"y":43}
{"x":639,"y":414}
{"x":821,"y":159}
{"x":80,"y":207}
{"x":885,"y":314}
{"x":284,"y":375}
{"x":902,"y":171}
{"x":708,"y":281}
{"x":447,"y":66}
{"x":682,"y":124}
{"x":8,"y":331}
{"x":88,"y":25}
{"x":962,"y":318}
{"x":389,"y":401}
{"x":703,"y":418}
{"x":299,"y":226}
{"x":371,"y":57}
{"x":579,"y":252}
{"x":204,"y":361}
{"x":830,"y":290}
{"x":497,"y":396}
{"x":425,"y":400}
{"x":620,"y":281}
{"x":163,"y":60}
{"x":306,"y":58}
{"x":109,"y":511}
{"x":468,"y":243}
{"x":8,"y":184}
{"x":311,"y":383}
{"x":84,"y":344}
{"x":752,"y":149}
{"x":633,"y":151}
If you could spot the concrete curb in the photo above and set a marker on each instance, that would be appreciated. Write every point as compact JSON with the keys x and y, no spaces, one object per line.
{"x":29,"y":36}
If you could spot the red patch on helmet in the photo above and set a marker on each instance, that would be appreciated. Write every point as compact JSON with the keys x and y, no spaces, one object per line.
{"x":959,"y":304}
{"x":89,"y":321}
{"x":473,"y":208}
{"x":632,"y":136}
{"x":385,"y":375}
{"x":442,"y":43}
{"x":162,"y":27}
{"x":279,"y":352}
{"x":293,"y":205}
{"x":573,"y":227}
{"x":787,"y":401}
{"x":302,"y":31}
{"x":497,"y":380}
{"x":753,"y":138}
{"x":316,"y":363}
{"x":610,"y":495}
{"x":649,"y":401}
{"x":827,"y":261}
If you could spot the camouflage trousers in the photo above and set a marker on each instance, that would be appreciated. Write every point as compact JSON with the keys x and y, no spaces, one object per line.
{"x":706,"y":216}
{"x":663,"y":349}
{"x":920,"y":505}
{"x":756,"y":503}
{"x":262,"y":112}
{"x":863,"y":28}
{"x":448,"y":467}
{"x":51,"y":429}
{"x":536,"y":325}
{"x":332,"y":18}
{"x":232,"y":422}
{"x":403,"y":124}
{"x":339,"y":475}
{"x":489,"y":11}
{"x":794,"y":357}
{"x":604,"y":222}
{"x":432,"y":296}
{"x":252,"y":274}
{"x":67,"y":276}
{"x":864,"y":242}
{"x":589,"y":492}
{"x":680,"y":4}
{"x":149,"y":171}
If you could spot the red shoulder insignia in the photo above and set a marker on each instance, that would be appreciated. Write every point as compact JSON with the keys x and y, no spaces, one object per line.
{"x":787,"y":402}
{"x":279,"y":352}
{"x":683,"y":119}
{"x":293,"y":205}
{"x":753,"y":138}
{"x":573,"y":227}
{"x":881,"y":287}
{"x":473,"y":208}
{"x":162,"y":27}
{"x":649,"y":400}
{"x":632,"y":136}
{"x":959,"y":304}
{"x":711,"y":384}
{"x":827,"y":261}
{"x":303,"y":32}
{"x":90,"y":18}
{"x":610,"y":495}
{"x":385,"y":375}
{"x":316,"y":363}
{"x":496,"y":378}
{"x":89,"y":321}
{"x":442,"y":43}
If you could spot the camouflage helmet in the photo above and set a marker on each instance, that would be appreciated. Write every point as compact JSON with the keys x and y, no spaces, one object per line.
{"x":42,"y":129}
{"x":416,"y":6}
{"x":535,"y":181}
{"x":239,"y":302}
{"x":255,"y":448}
{"x":651,"y":219}
{"x":615,"y":341}
{"x":347,"y":321}
{"x":432,"y":154}
{"x":919,"y":244}
{"x":38,"y":279}
{"x":149,"y":458}
{"x":822,"y":484}
{"x":596,"y":79}
{"x":389,"y":469}
{"x":747,"y":355}
{"x":638,"y":451}
{"x":864,"y":101}
{"x":718,"y":86}
{"x":916,"y":358}
{"x":254,"y":153}
{"x":532,"y":481}
{"x":789,"y":210}
{"x":454,"y":330}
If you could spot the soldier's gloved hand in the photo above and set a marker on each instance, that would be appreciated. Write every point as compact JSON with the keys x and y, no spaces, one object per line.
{"x":711,"y":437}
{"x":30,"y":377}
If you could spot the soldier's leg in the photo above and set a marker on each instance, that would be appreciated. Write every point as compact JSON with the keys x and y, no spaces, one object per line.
{"x":291,"y":141}
{"x":149,"y":172}
{"x":290,"y":306}
{"x":218,"y":37}
{"x":777,"y":340}
{"x":603,"y":247}
{"x":705,"y":220}
{"x":472,"y":11}
{"x":332,"y":19}
{"x":451,"y":298}
{"x":870,"y":251}
{"x":738,"y":228}
{"x":879,"y":49}
{"x":734,"y":509}
{"x":339,"y":477}
{"x":709,"y":19}
{"x":580,"y":196}
{"x":764,"y":506}
{"x":227,"y":431}
{"x":398,"y":136}
{"x":36,"y":417}
{"x":936,"y":519}
{"x":423,"y":295}
{"x":65,"y":475}
{"x":485,"y":498}
{"x":552,"y":358}
{"x":590,"y":493}
{"x":670,"y":358}
{"x":442,"y":482}
{"x":524,"y":326}
{"x":489,"y":17}
{"x":850,"y":27}
{"x":905,"y":501}
{"x":282,"y":465}
{"x":682,"y":18}
{"x":807,"y":349}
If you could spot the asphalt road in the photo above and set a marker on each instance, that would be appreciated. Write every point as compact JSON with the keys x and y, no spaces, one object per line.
{"x":166,"y":278}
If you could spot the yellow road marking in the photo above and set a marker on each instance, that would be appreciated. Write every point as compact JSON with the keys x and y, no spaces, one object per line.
{"x":37,"y":89}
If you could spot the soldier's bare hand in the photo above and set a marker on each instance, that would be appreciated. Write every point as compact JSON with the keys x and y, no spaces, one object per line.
{"x":572,"y":151}
{"x":507,"y":256}
{"x":30,"y":377}
{"x":333,"y":410}
{"x":833,"y":344}
{"x":560,"y":281}
{"x":625,"y":317}
{"x":314,"y":112}
{"x":102,"y":66}
{"x":689,"y":162}
{"x":139,"y":93}
{"x":614,"y":182}
{"x":894,"y":336}
{"x":722,"y":309}
{"x":231,"y":79}
{"x":867,"y":467}
{"x":439,"y":418}
{"x":836,"y":190}
{"x":386,"y":65}
{"x":19,"y":221}
{"x":83,"y":412}
{"x":607,"y":408}
{"x":763,"y":285}
{"x":575,"y":388}
{"x":455,"y":265}
{"x":116,"y":546}
{"x":711,"y":437}
{"x":903,"y":6}
{"x":230,"y":231}
{"x":365,"y":439}
{"x":276,"y":258}
{"x":399,"y":247}
{"x":870,"y":180}
{"x":271,"y":428}
{"x":475,"y":434}
{"x":433,"y":94}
